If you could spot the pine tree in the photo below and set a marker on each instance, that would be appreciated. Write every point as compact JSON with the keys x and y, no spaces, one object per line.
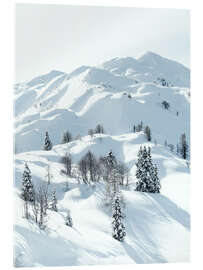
{"x":134,"y":129}
{"x":146,"y":173}
{"x":54,"y":202}
{"x":48,"y":143}
{"x":69,"y":221}
{"x":147,"y":131}
{"x":177,"y":149}
{"x":99,"y":129}
{"x":27,"y":186}
{"x":183,"y":146}
{"x":118,"y":227}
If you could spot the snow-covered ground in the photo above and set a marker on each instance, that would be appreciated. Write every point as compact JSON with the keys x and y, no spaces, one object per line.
{"x":157,"y":225}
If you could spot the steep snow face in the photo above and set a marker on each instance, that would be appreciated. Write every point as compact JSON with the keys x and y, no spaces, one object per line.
{"x":149,"y":217}
{"x":149,"y":67}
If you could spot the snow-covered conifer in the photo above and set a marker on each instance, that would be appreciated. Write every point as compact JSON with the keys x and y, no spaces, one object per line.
{"x":118,"y":227}
{"x":27,"y":186}
{"x":69,"y":221}
{"x":155,"y":182}
{"x":54,"y":201}
{"x":48,"y":143}
{"x":146,"y":173}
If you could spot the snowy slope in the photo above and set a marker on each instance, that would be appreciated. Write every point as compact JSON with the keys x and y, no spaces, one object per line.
{"x":148,"y":67}
{"x":90,"y":95}
{"x":149,"y":217}
{"x":118,"y":94}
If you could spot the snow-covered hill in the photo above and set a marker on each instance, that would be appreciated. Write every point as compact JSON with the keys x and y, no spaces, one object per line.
{"x":118,"y":94}
{"x":149,"y":217}
{"x":90,"y":95}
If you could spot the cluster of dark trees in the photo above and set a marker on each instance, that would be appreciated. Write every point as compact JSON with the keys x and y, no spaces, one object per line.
{"x":163,"y":82}
{"x":138,"y":127}
{"x":66,"y":160}
{"x":98,"y":130}
{"x":93,"y":169}
{"x":67,"y":136}
{"x":146,"y":129}
{"x":182,"y":147}
{"x":108,"y":169}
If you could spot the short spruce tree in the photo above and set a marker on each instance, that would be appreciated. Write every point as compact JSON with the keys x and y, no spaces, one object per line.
{"x":27,"y":194}
{"x":69,"y":221}
{"x":118,"y":227}
{"x":54,"y":202}
{"x":48,"y":143}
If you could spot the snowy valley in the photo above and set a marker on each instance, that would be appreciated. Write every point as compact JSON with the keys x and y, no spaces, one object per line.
{"x":120,"y":95}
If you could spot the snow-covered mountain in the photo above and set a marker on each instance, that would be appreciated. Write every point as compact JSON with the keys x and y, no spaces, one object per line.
{"x":117,"y":94}
{"x":91,"y":95}
{"x":149,"y":67}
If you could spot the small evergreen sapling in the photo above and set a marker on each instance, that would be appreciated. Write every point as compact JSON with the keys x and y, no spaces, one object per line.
{"x":27,"y":186}
{"x":54,"y":202}
{"x":147,"y":132}
{"x":48,"y":143}
{"x":118,"y":227}
{"x":69,"y":221}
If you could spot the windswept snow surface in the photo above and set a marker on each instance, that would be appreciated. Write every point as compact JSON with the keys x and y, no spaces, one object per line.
{"x":157,"y":225}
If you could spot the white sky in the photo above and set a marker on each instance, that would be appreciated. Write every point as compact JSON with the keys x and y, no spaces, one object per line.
{"x":64,"y":37}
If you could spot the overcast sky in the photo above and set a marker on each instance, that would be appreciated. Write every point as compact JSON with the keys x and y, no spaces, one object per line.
{"x":64,"y":37}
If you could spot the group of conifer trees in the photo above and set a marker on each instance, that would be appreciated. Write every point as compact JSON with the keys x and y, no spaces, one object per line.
{"x":146,"y":129}
{"x":92,"y":169}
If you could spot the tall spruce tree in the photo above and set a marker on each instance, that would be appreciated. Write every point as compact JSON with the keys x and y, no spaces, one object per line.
{"x":27,"y":194}
{"x":118,"y":227}
{"x":48,"y":143}
{"x":146,"y":173}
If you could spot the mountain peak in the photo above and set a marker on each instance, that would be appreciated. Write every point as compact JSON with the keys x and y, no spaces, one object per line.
{"x":151,"y":56}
